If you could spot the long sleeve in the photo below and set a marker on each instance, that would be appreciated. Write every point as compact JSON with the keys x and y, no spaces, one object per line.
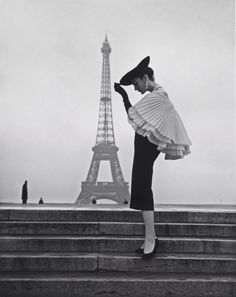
{"x":127,"y":103}
{"x":124,"y":95}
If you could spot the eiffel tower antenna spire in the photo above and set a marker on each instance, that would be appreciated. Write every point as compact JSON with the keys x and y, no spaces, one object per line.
{"x":105,"y":148}
{"x":105,"y":131}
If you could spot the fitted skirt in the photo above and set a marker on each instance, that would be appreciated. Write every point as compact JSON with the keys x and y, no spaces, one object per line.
{"x":145,"y":153}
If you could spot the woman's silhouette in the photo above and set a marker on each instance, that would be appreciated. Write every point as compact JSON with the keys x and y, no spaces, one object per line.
{"x":158,"y":128}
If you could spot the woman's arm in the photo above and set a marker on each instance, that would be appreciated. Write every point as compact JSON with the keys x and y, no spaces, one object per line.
{"x":124,"y":95}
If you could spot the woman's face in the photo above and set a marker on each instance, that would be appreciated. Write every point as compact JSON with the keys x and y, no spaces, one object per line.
{"x":139,"y":85}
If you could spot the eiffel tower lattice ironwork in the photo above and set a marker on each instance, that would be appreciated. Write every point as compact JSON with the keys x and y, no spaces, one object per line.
{"x":105,"y":148}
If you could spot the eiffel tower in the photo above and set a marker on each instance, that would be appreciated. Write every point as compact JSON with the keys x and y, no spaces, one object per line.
{"x":105,"y":148}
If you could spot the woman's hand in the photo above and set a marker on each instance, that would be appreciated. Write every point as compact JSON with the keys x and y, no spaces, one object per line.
{"x":118,"y":88}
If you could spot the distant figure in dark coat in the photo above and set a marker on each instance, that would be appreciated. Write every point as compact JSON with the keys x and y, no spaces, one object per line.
{"x":24,"y":196}
{"x":41,"y":201}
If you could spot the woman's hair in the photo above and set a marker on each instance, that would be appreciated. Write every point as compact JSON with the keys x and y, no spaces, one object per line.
{"x":150,"y":73}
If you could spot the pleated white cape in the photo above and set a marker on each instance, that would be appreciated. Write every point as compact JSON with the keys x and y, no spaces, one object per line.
{"x":155,"y":117}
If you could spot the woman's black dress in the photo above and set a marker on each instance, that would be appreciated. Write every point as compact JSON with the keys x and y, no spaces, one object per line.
{"x":145,"y":153}
{"x":158,"y":128}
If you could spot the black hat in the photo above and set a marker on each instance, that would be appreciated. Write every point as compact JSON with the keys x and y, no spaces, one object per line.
{"x":139,"y":70}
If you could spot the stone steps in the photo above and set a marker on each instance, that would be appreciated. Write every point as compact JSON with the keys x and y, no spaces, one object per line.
{"x":116,"y":284}
{"x":122,"y":215}
{"x":47,"y":243}
{"x":116,"y":228}
{"x":90,"y":252}
{"x":128,"y":262}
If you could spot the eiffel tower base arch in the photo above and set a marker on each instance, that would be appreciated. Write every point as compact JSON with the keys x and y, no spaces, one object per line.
{"x":103,"y":190}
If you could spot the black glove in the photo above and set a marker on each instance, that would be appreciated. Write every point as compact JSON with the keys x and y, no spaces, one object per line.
{"x":118,"y":88}
{"x":123,"y":93}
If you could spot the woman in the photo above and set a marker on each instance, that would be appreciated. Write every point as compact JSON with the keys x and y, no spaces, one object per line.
{"x":158,"y":128}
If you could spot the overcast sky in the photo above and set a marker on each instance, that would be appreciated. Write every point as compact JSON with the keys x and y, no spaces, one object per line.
{"x":50,"y":78}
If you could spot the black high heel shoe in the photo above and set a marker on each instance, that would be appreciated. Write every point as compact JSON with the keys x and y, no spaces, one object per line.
{"x":153,"y":253}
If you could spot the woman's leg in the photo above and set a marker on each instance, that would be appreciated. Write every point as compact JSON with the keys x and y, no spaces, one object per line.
{"x":145,"y":154}
{"x":150,"y":236}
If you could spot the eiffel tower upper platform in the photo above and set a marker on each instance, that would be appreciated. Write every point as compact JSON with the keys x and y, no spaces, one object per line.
{"x":105,"y":148}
